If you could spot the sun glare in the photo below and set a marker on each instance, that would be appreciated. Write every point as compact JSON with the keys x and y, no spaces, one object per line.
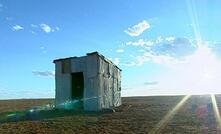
{"x":204,"y":63}
{"x":197,"y":73}
{"x":216,"y":112}
{"x":203,"y":68}
{"x":162,"y":123}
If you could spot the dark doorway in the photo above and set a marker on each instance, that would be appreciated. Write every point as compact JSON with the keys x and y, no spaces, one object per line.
{"x":77,"y":85}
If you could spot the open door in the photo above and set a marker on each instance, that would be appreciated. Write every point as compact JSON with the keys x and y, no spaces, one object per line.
{"x":77,"y":86}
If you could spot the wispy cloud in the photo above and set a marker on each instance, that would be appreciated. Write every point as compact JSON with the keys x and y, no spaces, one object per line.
{"x":44,"y":73}
{"x":116,"y":61}
{"x":43,"y":49}
{"x":17,"y":28}
{"x":140,"y":42}
{"x":34,"y":26}
{"x":159,"y":40}
{"x":120,"y":50}
{"x":170,"y":38}
{"x":138,"y":29}
{"x":57,"y":28}
{"x":1,"y":7}
{"x":160,"y":50}
{"x":129,"y":64}
{"x":46,"y":28}
{"x":9,"y":18}
{"x":176,"y":47}
{"x":150,"y":83}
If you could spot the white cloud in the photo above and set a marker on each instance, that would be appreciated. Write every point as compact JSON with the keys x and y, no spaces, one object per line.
{"x":140,"y":42}
{"x":57,"y":28}
{"x":129,"y":64}
{"x":138,"y":29}
{"x":46,"y":28}
{"x":161,"y":51}
{"x":43,"y":49}
{"x":140,"y":60}
{"x":120,"y":50}
{"x":33,"y":32}
{"x":163,"y":59}
{"x":177,"y":47}
{"x":44,"y":73}
{"x":159,"y":40}
{"x":170,"y":38}
{"x":150,"y":83}
{"x":116,"y":61}
{"x":17,"y":28}
{"x":34,"y":26}
{"x":9,"y":18}
{"x":149,"y":56}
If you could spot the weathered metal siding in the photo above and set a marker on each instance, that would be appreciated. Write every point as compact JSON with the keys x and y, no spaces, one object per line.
{"x":91,"y":84}
{"x":109,"y":76}
{"x":102,"y":82}
{"x":63,"y":85}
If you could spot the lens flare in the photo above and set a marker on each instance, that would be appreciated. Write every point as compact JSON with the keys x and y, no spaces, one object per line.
{"x":216,"y":112}
{"x":169,"y":115}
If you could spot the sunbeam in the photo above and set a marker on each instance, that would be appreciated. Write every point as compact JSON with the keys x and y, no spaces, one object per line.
{"x":169,"y":115}
{"x":195,"y":21}
{"x":216,"y":112}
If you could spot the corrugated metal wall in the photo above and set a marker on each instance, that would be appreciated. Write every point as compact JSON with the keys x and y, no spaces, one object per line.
{"x":110,"y":84}
{"x":102,"y":82}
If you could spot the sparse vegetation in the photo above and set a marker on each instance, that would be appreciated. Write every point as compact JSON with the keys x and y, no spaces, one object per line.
{"x":136,"y":115}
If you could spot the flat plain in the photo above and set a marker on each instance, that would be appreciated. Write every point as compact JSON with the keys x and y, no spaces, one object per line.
{"x":136,"y":115}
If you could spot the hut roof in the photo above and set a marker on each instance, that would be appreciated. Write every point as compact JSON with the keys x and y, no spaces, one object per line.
{"x":88,"y":54}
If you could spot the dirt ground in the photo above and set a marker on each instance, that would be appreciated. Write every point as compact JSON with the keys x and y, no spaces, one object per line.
{"x":22,"y":104}
{"x":137,"y":115}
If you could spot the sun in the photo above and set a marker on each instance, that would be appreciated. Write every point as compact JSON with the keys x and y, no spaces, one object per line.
{"x":202,"y":70}
{"x":198,"y":73}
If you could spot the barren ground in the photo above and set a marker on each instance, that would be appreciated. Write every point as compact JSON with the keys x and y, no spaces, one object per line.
{"x":135,"y":115}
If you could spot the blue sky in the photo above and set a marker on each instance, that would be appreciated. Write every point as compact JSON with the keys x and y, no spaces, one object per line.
{"x":163,"y":47}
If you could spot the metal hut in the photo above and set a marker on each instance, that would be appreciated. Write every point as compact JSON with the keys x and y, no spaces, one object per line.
{"x":93,"y":79}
